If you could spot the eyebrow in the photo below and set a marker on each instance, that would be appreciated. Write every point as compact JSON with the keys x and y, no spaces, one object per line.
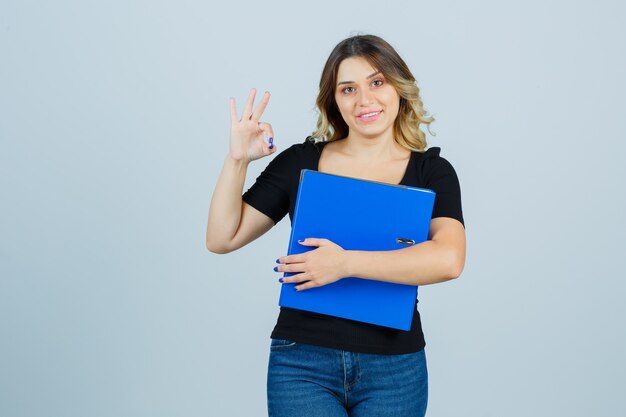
{"x":350,"y":82}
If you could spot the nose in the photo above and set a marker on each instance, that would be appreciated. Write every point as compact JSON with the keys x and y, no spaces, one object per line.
{"x":365,"y":97}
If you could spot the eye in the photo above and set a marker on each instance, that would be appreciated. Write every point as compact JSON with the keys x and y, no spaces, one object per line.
{"x":378,"y":81}
{"x":347,"y":88}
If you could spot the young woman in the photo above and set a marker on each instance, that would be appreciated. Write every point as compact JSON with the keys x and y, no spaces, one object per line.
{"x":369,"y":128}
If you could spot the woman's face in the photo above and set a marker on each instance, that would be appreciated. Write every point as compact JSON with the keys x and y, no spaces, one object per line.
{"x":367,"y":102}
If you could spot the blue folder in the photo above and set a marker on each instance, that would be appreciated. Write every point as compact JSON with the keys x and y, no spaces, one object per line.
{"x":358,"y":214}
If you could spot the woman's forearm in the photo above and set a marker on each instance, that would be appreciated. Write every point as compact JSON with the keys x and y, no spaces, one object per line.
{"x":426,"y":263}
{"x":225,"y":208}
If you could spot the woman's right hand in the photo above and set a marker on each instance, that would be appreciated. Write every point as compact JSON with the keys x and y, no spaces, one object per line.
{"x":246,"y":134}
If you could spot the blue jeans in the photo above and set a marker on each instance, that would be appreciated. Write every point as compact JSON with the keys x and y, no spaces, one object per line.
{"x":314,"y":381}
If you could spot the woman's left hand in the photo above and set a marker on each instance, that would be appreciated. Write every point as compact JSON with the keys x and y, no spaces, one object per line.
{"x":321,"y":266}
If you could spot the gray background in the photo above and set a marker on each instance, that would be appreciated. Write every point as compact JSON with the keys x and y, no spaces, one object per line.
{"x":114,"y":125}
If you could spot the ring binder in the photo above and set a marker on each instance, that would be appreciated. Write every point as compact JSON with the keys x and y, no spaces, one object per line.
{"x":358,"y":214}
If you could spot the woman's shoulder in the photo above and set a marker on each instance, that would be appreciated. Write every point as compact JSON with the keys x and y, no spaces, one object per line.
{"x":312,"y":144}
{"x":429,"y":153}
{"x":308,"y":150}
{"x":431,"y":157}
{"x":309,"y":144}
{"x":431,"y":164}
{"x":298,"y":156}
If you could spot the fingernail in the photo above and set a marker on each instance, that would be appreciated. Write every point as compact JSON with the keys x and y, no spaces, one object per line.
{"x":271,"y":146}
{"x":271,"y":139}
{"x":276,"y":268}
{"x":301,"y":240}
{"x":277,"y":261}
{"x":280,"y":280}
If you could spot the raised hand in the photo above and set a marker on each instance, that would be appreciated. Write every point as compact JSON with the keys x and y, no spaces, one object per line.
{"x":247,"y":142}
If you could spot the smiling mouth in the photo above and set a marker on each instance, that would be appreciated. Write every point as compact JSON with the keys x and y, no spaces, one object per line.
{"x":370,"y":116}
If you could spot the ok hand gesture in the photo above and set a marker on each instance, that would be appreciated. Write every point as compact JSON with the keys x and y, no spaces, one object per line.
{"x":246,"y":134}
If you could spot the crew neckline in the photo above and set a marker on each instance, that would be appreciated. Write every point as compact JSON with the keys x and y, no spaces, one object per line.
{"x":404,"y":176}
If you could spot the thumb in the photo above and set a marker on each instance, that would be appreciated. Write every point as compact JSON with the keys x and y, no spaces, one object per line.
{"x":269,"y":149}
{"x":311,"y":241}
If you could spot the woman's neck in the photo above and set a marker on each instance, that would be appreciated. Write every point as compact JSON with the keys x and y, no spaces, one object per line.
{"x":372,"y":149}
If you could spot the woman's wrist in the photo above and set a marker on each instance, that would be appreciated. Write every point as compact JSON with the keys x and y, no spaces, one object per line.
{"x":351,"y":262}
{"x":240,"y":163}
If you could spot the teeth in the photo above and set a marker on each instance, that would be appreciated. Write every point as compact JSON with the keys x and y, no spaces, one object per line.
{"x":370,"y":114}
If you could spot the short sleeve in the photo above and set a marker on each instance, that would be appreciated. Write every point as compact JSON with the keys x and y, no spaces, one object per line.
{"x":270,"y":192}
{"x":445,"y":183}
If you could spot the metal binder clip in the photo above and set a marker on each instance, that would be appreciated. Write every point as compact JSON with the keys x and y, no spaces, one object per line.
{"x":405,"y":241}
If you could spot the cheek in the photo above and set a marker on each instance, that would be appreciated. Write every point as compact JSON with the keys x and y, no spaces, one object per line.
{"x":396,"y":105}
{"x":342,"y":105}
{"x":394,"y":100}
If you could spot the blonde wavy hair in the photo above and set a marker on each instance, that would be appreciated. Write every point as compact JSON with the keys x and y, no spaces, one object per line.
{"x":381,"y":56}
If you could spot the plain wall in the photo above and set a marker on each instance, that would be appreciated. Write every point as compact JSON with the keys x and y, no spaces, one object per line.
{"x":114,"y":125}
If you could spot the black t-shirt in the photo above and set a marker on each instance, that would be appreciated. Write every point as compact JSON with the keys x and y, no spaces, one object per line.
{"x":274,"y":194}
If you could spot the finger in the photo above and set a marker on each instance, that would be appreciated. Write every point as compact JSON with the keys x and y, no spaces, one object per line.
{"x":306,"y":286}
{"x":261,"y":107}
{"x":270,"y":147}
{"x":290,"y":268}
{"x":247,"y":112}
{"x":290,"y":259}
{"x":233,"y":111}
{"x":296,"y":279}
{"x":310,"y":241}
{"x":267,"y":128}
